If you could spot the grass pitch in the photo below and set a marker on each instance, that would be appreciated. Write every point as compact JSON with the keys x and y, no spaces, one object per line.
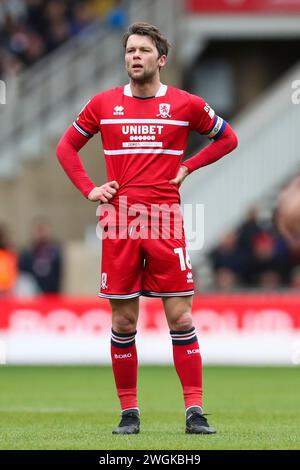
{"x":76,"y":408}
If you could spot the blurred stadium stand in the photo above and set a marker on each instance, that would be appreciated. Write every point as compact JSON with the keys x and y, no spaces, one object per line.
{"x":44,"y":99}
{"x":41,"y":102}
{"x":243,"y":57}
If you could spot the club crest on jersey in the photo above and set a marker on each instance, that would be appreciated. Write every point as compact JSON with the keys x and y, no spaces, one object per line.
{"x":164,"y":110}
{"x":118,"y":111}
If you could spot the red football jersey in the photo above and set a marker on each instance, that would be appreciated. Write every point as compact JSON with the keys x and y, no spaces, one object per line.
{"x":144,"y":140}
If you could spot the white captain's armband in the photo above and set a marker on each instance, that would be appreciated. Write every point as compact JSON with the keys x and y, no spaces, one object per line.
{"x":218,"y":128}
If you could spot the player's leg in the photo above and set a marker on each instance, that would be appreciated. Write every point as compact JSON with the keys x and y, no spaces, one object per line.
{"x":124,"y":362}
{"x":121,"y":274}
{"x":186,"y":353}
{"x":187,"y":361}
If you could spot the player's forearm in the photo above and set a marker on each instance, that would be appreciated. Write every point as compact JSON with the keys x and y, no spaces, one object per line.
{"x":213,"y":152}
{"x":67,"y":154}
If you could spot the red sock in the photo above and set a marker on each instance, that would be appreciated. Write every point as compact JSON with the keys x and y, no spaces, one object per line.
{"x":125,"y":363}
{"x":188,"y":364}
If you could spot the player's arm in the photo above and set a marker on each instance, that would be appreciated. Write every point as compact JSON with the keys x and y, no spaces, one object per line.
{"x":224,"y":139}
{"x":68,"y":156}
{"x":221,"y":146}
{"x":67,"y":152}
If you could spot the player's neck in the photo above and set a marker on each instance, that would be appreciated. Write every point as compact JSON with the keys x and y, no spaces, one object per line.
{"x":145,"y":90}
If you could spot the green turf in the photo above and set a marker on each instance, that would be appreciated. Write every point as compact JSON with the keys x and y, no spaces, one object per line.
{"x":76,"y":408}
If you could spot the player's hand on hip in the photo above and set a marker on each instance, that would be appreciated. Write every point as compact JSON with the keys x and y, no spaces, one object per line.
{"x":105,"y":192}
{"x":181,"y":175}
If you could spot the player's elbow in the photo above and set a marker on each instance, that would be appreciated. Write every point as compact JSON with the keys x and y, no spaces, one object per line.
{"x":59,"y":155}
{"x":234,"y":141}
{"x":60,"y":150}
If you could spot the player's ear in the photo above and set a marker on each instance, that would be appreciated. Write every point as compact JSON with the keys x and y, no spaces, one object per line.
{"x":162,"y":60}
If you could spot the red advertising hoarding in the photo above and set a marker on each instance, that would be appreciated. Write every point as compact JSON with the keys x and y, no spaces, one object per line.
{"x":232,"y":329}
{"x":243,"y":6}
{"x":213,"y":313}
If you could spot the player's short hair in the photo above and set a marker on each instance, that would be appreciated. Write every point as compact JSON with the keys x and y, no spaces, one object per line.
{"x":146,"y":29}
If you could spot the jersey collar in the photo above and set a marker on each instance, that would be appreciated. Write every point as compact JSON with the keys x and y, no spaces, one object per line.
{"x":161,"y":91}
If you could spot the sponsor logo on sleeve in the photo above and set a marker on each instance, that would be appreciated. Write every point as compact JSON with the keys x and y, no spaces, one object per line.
{"x":209,"y":110}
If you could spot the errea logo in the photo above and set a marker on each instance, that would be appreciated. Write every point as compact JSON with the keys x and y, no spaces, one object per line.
{"x":118,"y":111}
{"x":189,"y":277}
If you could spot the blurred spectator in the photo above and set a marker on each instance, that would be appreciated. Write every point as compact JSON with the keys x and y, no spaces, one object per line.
{"x":117,"y":18}
{"x":226,"y":280}
{"x":43,"y":258}
{"x":268,"y":256}
{"x":35,"y":17}
{"x":294,"y":252}
{"x":82,"y":18}
{"x":269,"y":280}
{"x":246,"y":234}
{"x":58,"y":27}
{"x":8,"y":263}
{"x":255,"y":256}
{"x":295,"y":278}
{"x":264,"y":257}
{"x":248,"y":230}
{"x":227,"y":261}
{"x":29,"y":29}
{"x":26,"y":286}
{"x":9,"y":64}
{"x":102,"y":7}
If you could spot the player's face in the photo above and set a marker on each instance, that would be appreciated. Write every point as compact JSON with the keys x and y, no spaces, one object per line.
{"x":141,"y":58}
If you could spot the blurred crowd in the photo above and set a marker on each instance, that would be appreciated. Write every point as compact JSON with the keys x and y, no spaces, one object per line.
{"x":255,"y":256}
{"x":29,"y":29}
{"x":33,"y":270}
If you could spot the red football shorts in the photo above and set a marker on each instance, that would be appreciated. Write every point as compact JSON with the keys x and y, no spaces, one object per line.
{"x":144,"y":266}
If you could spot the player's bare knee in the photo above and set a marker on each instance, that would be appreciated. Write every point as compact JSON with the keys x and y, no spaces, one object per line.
{"x":124,"y":315}
{"x":182,"y":322}
{"x":124,"y":324}
{"x":124,"y":319}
